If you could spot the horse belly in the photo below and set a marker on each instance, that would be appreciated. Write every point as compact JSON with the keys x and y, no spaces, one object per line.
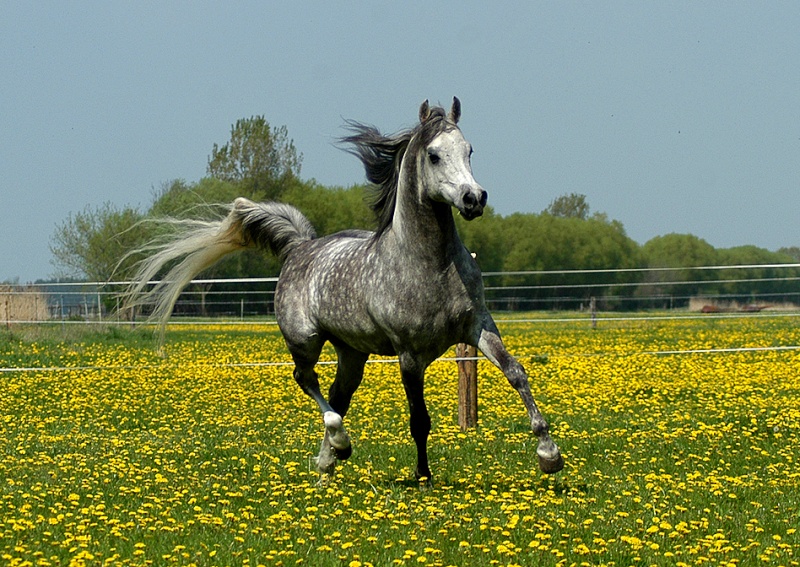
{"x":346,"y":319}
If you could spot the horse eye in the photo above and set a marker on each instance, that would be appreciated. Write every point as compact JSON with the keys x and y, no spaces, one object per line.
{"x":434,"y":157}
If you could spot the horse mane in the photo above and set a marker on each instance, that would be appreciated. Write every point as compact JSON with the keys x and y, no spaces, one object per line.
{"x":382,"y":155}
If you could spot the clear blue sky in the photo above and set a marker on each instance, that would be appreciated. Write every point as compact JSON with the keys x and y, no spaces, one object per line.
{"x":670,"y":117}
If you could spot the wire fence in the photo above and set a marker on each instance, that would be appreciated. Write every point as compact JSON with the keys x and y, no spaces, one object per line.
{"x":708,"y":289}
{"x":610,"y":296}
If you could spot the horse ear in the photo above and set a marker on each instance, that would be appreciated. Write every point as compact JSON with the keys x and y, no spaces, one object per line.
{"x":424,"y":111}
{"x":455,"y":111}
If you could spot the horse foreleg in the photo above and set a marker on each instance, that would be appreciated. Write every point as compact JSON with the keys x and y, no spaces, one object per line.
{"x":491,"y":345}
{"x":419,"y":419}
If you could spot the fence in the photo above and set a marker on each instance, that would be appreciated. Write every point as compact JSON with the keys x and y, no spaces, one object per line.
{"x":703,"y":288}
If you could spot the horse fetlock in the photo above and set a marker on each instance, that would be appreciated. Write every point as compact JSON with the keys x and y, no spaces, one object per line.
{"x":343,"y":454}
{"x":539,"y":426}
{"x":423,"y":475}
{"x":336,"y":433}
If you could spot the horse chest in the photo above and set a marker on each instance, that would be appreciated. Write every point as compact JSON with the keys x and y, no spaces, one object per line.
{"x":422,"y":305}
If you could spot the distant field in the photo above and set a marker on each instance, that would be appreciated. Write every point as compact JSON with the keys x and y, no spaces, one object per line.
{"x":117,"y":456}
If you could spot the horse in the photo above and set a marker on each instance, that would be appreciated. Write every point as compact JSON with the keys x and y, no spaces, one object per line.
{"x":408,"y":289}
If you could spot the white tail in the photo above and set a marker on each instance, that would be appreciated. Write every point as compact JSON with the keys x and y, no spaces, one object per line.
{"x":271,"y":226}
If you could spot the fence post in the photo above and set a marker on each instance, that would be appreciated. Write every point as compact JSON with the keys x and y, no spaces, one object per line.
{"x":467,"y":386}
{"x":593,"y":308}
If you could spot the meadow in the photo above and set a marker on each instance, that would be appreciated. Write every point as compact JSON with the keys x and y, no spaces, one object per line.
{"x":116,"y":455}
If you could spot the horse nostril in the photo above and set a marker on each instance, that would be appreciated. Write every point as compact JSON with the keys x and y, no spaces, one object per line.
{"x":484,"y":197}
{"x":469,"y":200}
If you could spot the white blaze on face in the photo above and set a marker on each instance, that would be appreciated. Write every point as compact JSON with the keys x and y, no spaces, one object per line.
{"x":447,"y":174}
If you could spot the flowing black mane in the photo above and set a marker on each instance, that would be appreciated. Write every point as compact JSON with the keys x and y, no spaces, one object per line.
{"x":383,"y":154}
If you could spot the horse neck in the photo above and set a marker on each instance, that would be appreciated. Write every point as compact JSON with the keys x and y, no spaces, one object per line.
{"x":423,"y":227}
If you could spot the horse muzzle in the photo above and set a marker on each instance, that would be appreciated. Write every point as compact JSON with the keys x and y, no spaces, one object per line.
{"x":473,"y":200}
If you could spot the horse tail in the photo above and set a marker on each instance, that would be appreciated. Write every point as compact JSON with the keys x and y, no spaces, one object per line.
{"x":197,"y":245}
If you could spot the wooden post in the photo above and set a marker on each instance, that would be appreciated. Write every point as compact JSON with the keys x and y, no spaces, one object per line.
{"x":467,"y":387}
{"x":593,"y":308}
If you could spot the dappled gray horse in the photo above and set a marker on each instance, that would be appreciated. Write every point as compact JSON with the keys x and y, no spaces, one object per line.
{"x":409,"y":288}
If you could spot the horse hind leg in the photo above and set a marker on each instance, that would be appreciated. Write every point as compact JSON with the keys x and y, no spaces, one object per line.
{"x":336,"y":443}
{"x":349,"y":373}
{"x":308,"y":380}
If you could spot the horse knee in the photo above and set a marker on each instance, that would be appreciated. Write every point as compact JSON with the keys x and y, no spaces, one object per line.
{"x":516,"y":376}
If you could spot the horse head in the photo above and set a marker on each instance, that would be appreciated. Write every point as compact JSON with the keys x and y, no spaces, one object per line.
{"x":443,"y":161}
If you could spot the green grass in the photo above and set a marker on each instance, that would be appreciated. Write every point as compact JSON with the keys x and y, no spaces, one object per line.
{"x":192,"y":459}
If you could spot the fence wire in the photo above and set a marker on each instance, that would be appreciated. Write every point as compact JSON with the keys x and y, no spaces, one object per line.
{"x":250,"y":301}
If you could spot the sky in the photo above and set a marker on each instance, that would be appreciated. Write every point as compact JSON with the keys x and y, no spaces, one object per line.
{"x":671,"y":117}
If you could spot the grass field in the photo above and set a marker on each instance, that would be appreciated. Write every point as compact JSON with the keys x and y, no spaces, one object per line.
{"x":116,"y":456}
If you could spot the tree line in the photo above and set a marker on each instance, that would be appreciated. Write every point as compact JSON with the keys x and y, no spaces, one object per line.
{"x":260,"y":162}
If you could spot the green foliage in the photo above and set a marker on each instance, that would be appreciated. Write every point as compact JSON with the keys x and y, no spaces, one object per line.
{"x":331,"y":209}
{"x":180,"y":199}
{"x":679,"y":251}
{"x":260,"y":159}
{"x":569,"y":206}
{"x":94,"y":243}
{"x":754,"y":280}
{"x":791,"y":252}
{"x":546,"y":242}
{"x":483,"y":237}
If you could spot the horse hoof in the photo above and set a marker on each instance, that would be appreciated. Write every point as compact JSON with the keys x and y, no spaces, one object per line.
{"x":326,"y":464}
{"x":551,"y":465}
{"x":423,"y":477}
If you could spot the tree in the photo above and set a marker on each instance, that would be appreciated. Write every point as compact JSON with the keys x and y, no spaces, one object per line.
{"x":546,"y":242}
{"x":679,"y":251}
{"x":331,"y":209}
{"x":258,"y":158}
{"x":180,"y":199}
{"x":776,"y":280}
{"x":573,"y":205}
{"x":792,"y":252}
{"x":95,"y":243}
{"x":483,"y":237}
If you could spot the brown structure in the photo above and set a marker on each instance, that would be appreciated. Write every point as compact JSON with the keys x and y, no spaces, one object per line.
{"x":467,"y":386}
{"x":22,"y":303}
